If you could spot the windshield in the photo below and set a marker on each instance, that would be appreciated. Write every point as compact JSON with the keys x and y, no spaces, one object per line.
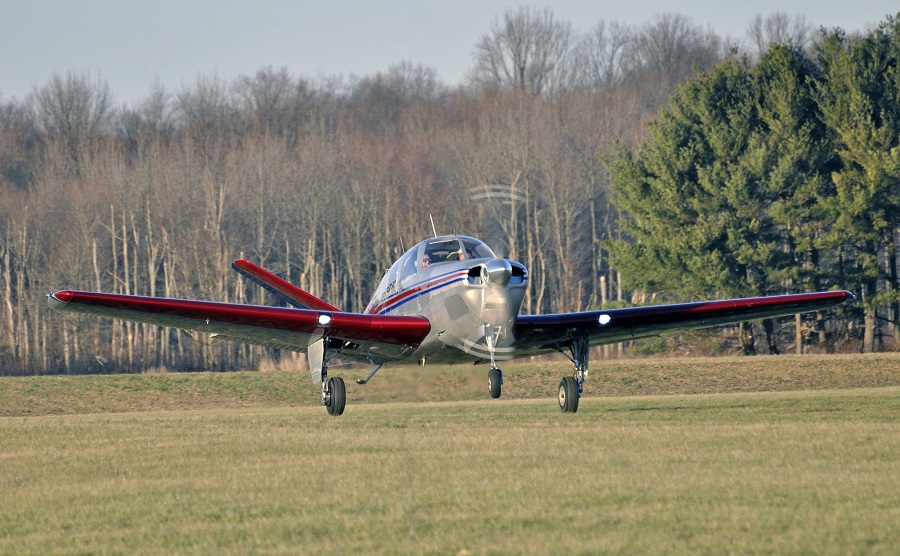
{"x":450,"y":249}
{"x":477,"y":249}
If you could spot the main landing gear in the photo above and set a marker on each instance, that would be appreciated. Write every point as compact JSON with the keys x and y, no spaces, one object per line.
{"x":570,"y":387}
{"x":334,"y":393}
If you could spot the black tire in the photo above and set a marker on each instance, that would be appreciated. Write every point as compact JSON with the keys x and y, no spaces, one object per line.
{"x":568,"y":395}
{"x":338,"y":398}
{"x":495,"y":380}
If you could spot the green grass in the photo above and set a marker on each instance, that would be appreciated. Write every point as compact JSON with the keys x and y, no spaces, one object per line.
{"x":776,"y":472}
{"x":49,"y":395}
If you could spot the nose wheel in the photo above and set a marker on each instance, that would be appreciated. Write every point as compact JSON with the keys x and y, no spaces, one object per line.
{"x":495,"y":381}
{"x":495,"y":375}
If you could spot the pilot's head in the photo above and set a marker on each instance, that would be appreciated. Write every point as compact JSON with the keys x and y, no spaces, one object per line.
{"x":426,"y":260}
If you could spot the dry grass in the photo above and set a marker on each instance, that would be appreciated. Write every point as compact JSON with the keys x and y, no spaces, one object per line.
{"x":248,"y":462}
{"x":811,"y":472}
{"x":47,"y":395}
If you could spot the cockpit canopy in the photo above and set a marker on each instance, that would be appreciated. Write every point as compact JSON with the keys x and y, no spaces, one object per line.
{"x":453,"y":248}
{"x":434,"y":251}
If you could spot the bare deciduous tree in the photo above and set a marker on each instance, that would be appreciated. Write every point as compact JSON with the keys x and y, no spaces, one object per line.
{"x":778,"y":28}
{"x":207,"y":111}
{"x":670,"y":47}
{"x":74,"y":110}
{"x":151,"y":122}
{"x":600,"y":55}
{"x":19,"y":139}
{"x":274,"y":102}
{"x":530,"y":50}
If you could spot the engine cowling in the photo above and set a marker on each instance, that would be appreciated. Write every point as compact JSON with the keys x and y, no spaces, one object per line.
{"x":497,"y":272}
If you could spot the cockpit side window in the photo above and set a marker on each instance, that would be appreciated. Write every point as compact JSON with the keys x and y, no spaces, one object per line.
{"x":387,"y":287}
{"x":391,"y":277}
{"x":408,"y":265}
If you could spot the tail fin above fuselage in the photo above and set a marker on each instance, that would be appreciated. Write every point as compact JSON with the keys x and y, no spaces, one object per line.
{"x":282,"y":288}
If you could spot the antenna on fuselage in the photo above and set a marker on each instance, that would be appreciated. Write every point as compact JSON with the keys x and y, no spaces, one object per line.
{"x":432,"y":225}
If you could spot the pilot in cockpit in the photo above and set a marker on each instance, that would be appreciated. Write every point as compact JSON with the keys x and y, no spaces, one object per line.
{"x":426,"y":260}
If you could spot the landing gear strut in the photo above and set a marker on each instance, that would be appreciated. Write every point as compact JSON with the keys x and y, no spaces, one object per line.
{"x":495,"y":375}
{"x":334,"y":393}
{"x":571,"y":387}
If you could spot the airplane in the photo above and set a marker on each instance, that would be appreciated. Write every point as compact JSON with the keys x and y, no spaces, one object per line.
{"x":449,"y":299}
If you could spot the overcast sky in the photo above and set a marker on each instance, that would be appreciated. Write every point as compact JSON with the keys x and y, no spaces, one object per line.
{"x":133,"y":45}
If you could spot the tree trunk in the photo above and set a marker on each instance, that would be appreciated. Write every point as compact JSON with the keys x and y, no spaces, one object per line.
{"x":871,"y":317}
{"x":893,"y":286}
{"x":745,"y":334}
{"x":10,"y":313}
{"x":771,"y":340}
{"x":620,"y":347}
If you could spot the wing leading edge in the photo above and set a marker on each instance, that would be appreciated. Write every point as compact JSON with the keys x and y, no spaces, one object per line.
{"x":377,"y":338}
{"x":544,"y":333}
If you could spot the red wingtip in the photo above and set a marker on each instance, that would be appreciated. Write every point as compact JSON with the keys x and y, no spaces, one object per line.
{"x":63,"y":296}
{"x":59,"y":299}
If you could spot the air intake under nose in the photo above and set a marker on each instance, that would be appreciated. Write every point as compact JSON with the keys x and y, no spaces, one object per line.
{"x":497,"y":272}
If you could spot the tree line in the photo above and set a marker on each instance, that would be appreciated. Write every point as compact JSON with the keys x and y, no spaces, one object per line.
{"x":779,"y":175}
{"x":542,"y":153}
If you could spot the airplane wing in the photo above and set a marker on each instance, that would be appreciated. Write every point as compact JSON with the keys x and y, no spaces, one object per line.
{"x":549,"y":333}
{"x":281,"y":288}
{"x":372,"y":338}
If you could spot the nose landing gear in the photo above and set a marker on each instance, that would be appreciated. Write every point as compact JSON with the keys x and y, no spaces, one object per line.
{"x":495,"y":380}
{"x":495,"y":375}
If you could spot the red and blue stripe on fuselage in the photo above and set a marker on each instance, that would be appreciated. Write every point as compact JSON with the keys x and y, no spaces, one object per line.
{"x":417,"y":290}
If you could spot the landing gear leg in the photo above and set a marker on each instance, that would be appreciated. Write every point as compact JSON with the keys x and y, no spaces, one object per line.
{"x":571,"y":387}
{"x":334,"y":393}
{"x":495,"y":375}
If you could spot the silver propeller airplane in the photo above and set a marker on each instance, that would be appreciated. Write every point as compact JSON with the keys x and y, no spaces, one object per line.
{"x":449,"y":299}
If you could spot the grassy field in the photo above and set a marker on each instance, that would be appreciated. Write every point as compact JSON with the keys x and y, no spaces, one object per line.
{"x":267,"y":471}
{"x":522,"y":380}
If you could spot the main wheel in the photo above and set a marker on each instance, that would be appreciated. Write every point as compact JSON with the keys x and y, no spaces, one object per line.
{"x":568,"y":395}
{"x":337,"y":398}
{"x":495,"y":379}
